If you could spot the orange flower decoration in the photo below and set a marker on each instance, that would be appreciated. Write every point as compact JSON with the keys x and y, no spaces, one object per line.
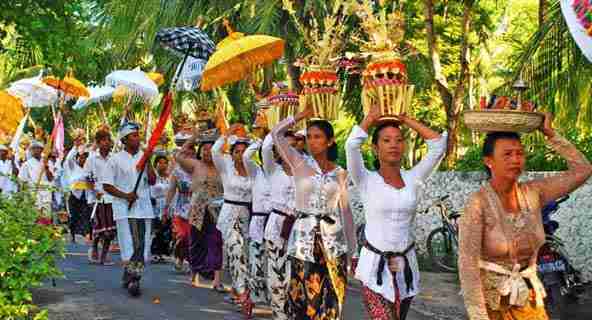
{"x":395,"y":66}
{"x":313,"y":286}
{"x":311,"y":312}
{"x":295,"y":292}
{"x":324,"y":77}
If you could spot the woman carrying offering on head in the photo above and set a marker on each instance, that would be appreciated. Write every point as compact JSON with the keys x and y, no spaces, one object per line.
{"x":205,"y":241}
{"x":317,"y":245}
{"x":388,"y":265}
{"x":233,"y":221}
{"x":501,"y":230}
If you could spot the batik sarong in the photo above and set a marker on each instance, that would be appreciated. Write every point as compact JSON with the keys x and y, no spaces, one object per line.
{"x":317,"y":289}
{"x":278,"y":278}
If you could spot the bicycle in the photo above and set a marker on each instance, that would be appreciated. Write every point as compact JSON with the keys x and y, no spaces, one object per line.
{"x":442,"y":242}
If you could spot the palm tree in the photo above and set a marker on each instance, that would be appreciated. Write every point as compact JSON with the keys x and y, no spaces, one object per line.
{"x":128,"y":28}
{"x":558,"y":73}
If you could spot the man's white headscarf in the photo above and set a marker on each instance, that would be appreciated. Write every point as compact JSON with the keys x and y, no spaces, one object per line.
{"x":127,"y":128}
{"x":36,"y":143}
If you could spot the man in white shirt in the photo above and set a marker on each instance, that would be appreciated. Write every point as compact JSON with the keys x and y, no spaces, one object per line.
{"x":8,"y":170}
{"x":132,"y":208}
{"x":104,"y":226}
{"x":38,"y":174}
{"x":70,"y":164}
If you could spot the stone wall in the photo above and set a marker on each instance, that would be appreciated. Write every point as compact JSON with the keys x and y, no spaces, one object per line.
{"x":574,"y":216}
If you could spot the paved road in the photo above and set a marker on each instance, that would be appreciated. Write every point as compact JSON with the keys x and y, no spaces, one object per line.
{"x":92,"y":292}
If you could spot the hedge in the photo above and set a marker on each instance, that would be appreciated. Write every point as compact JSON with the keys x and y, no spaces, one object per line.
{"x":29,"y":253}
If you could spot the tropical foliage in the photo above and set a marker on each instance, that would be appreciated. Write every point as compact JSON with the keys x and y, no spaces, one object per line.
{"x":29,"y":252}
{"x":462,"y":51}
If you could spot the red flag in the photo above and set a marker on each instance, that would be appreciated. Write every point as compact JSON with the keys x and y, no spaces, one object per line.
{"x":158,"y":130}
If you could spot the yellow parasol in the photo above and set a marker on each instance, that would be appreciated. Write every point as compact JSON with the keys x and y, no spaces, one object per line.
{"x":11,"y":112}
{"x":158,"y":78}
{"x":237,"y":56}
{"x":69,"y":85}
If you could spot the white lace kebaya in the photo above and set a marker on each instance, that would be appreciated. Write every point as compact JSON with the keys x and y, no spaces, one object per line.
{"x":317,"y":198}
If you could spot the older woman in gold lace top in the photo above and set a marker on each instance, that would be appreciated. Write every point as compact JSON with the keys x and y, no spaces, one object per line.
{"x":502,"y":230}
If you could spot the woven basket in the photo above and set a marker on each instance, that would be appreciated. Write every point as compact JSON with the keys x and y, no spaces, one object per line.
{"x":503,"y":120}
{"x":321,"y":91}
{"x":391,"y":99}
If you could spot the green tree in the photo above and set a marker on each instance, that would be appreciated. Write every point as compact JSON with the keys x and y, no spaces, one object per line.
{"x":557,"y":72}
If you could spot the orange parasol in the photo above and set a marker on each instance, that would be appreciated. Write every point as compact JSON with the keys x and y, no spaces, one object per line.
{"x":237,"y":56}
{"x":69,"y":85}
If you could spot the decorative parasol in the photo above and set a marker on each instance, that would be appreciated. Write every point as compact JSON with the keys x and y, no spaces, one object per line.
{"x":578,"y":16}
{"x":237,"y":56}
{"x":187,"y":41}
{"x":33,"y":92}
{"x":97,"y":94}
{"x":158,"y":78}
{"x":189,"y":75}
{"x":194,"y":46}
{"x":69,"y":85}
{"x":137,"y":83}
{"x":11,"y":112}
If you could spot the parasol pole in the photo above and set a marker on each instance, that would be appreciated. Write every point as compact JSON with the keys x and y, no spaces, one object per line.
{"x":171,"y":89}
{"x":48,"y":146}
{"x":102,"y":111}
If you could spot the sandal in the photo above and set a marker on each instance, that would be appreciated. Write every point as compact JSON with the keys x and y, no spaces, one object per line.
{"x":230,"y":299}
{"x":133,"y":288}
{"x":93,"y":257}
{"x":195,"y":281}
{"x":219,"y":288}
{"x":246,"y":304}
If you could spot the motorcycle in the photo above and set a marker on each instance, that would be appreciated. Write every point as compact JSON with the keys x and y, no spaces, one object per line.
{"x":562,"y":282}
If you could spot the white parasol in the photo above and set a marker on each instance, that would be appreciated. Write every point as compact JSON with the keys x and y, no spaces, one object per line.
{"x":97,"y":94}
{"x":136,"y":81}
{"x":33,"y":92}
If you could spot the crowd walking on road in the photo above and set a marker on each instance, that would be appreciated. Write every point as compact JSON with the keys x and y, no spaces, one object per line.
{"x":274,"y":209}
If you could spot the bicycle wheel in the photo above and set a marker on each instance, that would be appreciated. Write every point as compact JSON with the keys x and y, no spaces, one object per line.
{"x":443,"y":250}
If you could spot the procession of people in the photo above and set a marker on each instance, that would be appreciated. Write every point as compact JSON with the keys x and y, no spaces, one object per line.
{"x":289,"y":215}
{"x":284,"y":229}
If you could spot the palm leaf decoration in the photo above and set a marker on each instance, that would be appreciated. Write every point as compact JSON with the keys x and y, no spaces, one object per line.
{"x":557,"y":72}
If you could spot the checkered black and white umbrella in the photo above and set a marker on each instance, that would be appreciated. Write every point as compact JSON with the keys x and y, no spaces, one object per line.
{"x":186,"y":41}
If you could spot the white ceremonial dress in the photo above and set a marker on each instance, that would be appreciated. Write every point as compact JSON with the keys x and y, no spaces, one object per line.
{"x":122,"y":174}
{"x":29,"y":173}
{"x":6,"y":184}
{"x":236,"y":188}
{"x":390,"y":214}
{"x":317,"y":202}
{"x":283,"y":192}
{"x":261,"y":193}
{"x":158,"y":192}
{"x":96,"y":167}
